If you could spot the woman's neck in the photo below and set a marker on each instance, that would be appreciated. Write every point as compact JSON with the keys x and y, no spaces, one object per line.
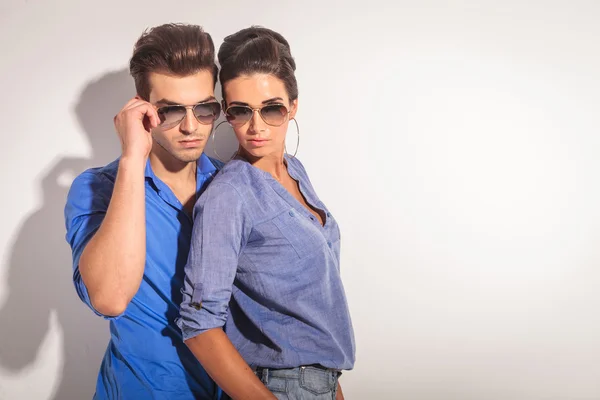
{"x":274,"y":164}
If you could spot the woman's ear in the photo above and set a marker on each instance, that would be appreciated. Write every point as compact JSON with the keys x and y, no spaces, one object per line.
{"x":293,"y":108}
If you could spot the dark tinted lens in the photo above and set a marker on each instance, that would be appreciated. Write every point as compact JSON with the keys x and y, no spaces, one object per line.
{"x":238,"y":115}
{"x":207,"y":113}
{"x":274,"y":114}
{"x":170,"y":115}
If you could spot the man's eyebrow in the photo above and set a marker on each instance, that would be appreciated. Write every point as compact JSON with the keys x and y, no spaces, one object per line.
{"x":174,"y":103}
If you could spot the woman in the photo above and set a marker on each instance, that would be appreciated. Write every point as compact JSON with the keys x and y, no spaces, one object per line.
{"x":264,"y":258}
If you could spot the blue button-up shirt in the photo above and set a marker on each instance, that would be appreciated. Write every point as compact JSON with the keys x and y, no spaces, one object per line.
{"x":263,"y":266}
{"x":146,"y":357}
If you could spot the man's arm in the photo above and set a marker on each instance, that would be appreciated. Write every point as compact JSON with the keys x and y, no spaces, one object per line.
{"x":112,"y":262}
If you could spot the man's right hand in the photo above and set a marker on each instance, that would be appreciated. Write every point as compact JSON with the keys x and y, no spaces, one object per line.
{"x":134,"y":124}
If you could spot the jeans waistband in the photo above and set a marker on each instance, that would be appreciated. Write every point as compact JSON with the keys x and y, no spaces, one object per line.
{"x":264,"y":373}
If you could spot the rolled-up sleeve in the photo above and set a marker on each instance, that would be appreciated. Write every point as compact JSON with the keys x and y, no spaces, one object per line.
{"x":221,"y":229}
{"x":87,"y":202}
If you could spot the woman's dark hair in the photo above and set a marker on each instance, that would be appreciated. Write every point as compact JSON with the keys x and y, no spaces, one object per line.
{"x":257,"y":50}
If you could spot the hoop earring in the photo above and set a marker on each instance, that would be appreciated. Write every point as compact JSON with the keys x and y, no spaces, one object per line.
{"x":297,"y":140}
{"x":214,"y":144}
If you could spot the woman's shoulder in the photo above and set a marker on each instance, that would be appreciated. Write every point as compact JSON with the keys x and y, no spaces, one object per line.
{"x":231,"y":166}
{"x":238,"y":174}
{"x":226,"y":186}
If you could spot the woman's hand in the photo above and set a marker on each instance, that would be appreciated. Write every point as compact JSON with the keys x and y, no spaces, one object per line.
{"x":339,"y":395}
{"x":226,"y":366}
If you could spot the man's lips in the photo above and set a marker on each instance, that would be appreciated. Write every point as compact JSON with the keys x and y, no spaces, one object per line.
{"x":191,"y":142}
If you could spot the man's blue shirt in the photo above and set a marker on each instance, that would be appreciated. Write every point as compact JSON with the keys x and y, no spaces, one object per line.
{"x":146,"y":357}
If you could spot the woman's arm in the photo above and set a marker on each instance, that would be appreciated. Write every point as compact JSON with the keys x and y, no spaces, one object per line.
{"x":339,"y":395}
{"x":226,"y":366}
{"x":221,"y":227}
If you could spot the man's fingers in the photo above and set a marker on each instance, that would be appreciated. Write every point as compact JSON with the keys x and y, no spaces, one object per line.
{"x":140,"y":109}
{"x":130,"y":102}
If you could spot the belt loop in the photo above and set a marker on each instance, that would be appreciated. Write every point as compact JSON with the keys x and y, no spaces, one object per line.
{"x":265,"y":376}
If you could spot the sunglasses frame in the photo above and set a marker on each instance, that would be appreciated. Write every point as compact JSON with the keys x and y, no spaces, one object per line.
{"x":259,"y":113}
{"x":190,"y":107}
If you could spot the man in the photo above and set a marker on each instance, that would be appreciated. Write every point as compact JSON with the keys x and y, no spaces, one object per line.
{"x":129,"y":223}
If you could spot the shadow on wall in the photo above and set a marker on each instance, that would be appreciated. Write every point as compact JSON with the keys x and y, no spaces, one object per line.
{"x":222,"y":144}
{"x":40,"y":266}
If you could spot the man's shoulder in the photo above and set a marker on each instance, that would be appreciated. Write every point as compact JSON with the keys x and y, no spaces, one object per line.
{"x":107,"y":172}
{"x":95,"y":180}
{"x":90,"y":192}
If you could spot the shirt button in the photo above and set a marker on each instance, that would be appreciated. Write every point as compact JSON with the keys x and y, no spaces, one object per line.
{"x":291,"y":213}
{"x":329,"y":244}
{"x":328,"y":215}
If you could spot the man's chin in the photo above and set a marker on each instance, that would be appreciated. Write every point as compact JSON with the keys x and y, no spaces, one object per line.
{"x":189,"y":155}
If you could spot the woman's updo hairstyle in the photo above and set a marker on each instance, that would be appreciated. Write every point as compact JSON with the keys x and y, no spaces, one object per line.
{"x":257,"y":50}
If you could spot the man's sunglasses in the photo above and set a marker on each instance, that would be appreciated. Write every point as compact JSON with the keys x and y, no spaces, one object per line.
{"x":205,"y":113}
{"x":272,"y":114}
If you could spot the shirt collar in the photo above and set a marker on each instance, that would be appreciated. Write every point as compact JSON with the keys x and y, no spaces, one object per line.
{"x":205,"y":165}
{"x":148,"y":173}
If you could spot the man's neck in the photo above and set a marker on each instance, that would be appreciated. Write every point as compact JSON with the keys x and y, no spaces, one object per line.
{"x":171,"y":171}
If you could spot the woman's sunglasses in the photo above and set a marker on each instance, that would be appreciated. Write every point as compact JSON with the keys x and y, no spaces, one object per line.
{"x":272,"y":114}
{"x":205,"y":113}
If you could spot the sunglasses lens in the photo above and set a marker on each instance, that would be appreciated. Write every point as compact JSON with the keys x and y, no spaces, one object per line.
{"x":274,"y":114}
{"x":238,"y":115}
{"x":207,"y":113}
{"x":170,"y":115}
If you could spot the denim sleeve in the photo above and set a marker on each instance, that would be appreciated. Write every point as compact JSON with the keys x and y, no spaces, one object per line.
{"x":221,"y":228}
{"x":87,"y":202}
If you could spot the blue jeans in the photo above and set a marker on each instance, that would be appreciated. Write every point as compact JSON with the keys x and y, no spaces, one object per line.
{"x":301,"y":383}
